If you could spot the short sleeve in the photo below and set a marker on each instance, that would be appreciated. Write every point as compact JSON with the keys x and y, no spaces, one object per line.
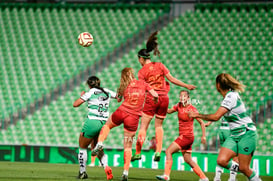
{"x":165,"y":69}
{"x":175,"y":107}
{"x":140,"y":76}
{"x":86,"y":96}
{"x":229,"y":101}
{"x":112,"y":93}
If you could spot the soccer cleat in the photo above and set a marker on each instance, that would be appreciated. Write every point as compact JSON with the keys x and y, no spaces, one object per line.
{"x":204,"y":179}
{"x":108,"y":172}
{"x":83,"y":175}
{"x":97,"y":149}
{"x":124,"y":177}
{"x":136,"y":157}
{"x":157,"y":157}
{"x":163,"y":177}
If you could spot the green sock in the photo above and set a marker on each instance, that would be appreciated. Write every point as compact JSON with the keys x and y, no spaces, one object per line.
{"x":252,"y":175}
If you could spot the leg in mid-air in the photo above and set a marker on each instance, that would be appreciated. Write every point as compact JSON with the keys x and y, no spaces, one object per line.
{"x":145,"y":121}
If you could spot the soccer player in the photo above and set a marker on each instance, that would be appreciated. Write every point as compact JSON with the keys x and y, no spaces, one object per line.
{"x":128,"y":113}
{"x":223,"y":135}
{"x":97,"y":99}
{"x":154,"y":74}
{"x":186,"y":137}
{"x":243,"y":136}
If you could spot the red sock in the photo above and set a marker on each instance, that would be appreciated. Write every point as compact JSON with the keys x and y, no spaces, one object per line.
{"x":199,"y":172}
{"x":127,"y":158}
{"x":159,"y":138}
{"x":140,"y":140}
{"x":168,"y":167}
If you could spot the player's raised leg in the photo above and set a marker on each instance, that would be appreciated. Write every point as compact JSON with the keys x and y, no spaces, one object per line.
{"x":145,"y":121}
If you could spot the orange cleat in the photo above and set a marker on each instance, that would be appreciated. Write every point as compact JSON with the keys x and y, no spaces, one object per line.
{"x":108,"y":172}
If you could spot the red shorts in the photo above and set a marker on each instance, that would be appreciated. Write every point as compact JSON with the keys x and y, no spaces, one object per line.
{"x":159,"y":109}
{"x":130,"y":121}
{"x":185,"y":143}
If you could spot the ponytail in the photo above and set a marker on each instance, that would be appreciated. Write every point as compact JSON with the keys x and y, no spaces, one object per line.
{"x":126,"y":76}
{"x":151,"y":45}
{"x":94,"y":82}
{"x":227,"y":82}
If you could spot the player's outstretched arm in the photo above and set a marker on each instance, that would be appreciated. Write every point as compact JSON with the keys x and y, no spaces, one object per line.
{"x":178,"y":82}
{"x":202,"y":124}
{"x":210,"y":117}
{"x":79,"y":101}
{"x":170,"y":111}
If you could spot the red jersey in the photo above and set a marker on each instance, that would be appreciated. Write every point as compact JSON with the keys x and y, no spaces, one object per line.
{"x":185,"y":122}
{"x":134,"y":96}
{"x":154,"y":74}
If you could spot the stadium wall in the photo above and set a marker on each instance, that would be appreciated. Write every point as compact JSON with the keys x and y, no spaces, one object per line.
{"x":207,"y":161}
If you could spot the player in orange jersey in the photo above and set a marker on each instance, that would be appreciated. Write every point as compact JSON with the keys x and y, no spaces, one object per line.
{"x":154,"y":74}
{"x":186,"y":137}
{"x":128,"y":113}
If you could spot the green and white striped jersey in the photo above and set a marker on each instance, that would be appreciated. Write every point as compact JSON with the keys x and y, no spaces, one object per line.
{"x":98,"y":105}
{"x":237,"y":116}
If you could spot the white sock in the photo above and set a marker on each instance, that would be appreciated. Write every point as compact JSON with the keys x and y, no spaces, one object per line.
{"x":232,"y":175}
{"x":82,"y":157}
{"x":125,"y":172}
{"x":255,"y":178}
{"x":234,"y":167}
{"x":103,"y":161}
{"x":218,"y":171}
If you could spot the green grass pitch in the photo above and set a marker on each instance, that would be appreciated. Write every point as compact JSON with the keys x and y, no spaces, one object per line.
{"x":44,"y":171}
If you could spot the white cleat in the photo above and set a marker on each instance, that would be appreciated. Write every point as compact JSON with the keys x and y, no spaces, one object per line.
{"x":204,"y":179}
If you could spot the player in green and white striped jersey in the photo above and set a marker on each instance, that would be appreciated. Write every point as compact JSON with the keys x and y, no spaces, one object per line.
{"x":243,"y":136}
{"x":97,"y":99}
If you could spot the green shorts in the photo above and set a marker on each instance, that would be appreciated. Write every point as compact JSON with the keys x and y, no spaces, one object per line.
{"x":223,"y":135}
{"x":91,"y":128}
{"x":244,"y":144}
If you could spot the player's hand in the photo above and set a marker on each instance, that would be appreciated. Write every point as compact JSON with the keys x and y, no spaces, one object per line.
{"x":191,"y":87}
{"x":192,"y":114}
{"x":82,"y":93}
{"x":207,"y":124}
{"x":203,"y":140}
{"x":155,"y":100}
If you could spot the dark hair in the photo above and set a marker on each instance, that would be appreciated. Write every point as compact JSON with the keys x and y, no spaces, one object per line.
{"x":188,"y":93}
{"x":94,"y":82}
{"x":151,"y":45}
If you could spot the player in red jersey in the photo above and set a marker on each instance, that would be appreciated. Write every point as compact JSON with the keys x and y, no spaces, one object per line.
{"x":154,"y":73}
{"x":186,"y":137}
{"x":128,"y":113}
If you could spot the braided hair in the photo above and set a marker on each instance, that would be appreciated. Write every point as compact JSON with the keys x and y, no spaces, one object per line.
{"x":151,"y":45}
{"x":94,"y":82}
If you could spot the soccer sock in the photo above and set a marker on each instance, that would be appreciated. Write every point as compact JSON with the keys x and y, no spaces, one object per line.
{"x":127,"y":158}
{"x":218,"y":171}
{"x":103,"y":160}
{"x":233,"y":166}
{"x":254,"y":177}
{"x":159,"y":138}
{"x":82,"y":157}
{"x":232,"y":175}
{"x":103,"y":133}
{"x":140,"y":140}
{"x":199,"y":172}
{"x":168,"y":167}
